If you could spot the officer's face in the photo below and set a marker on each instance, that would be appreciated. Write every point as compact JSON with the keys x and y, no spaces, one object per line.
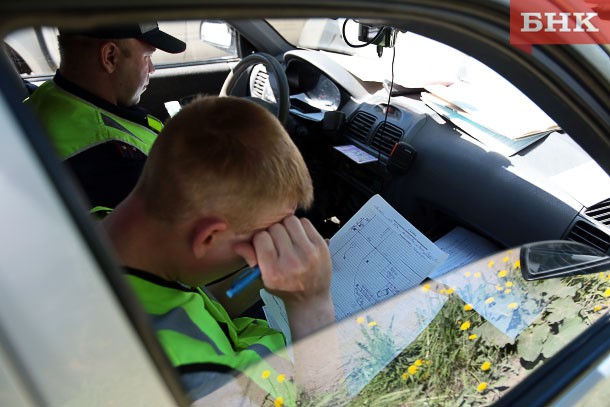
{"x":133,"y":71}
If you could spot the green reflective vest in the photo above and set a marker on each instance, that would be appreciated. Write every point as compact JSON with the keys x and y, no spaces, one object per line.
{"x":74,"y":125}
{"x":198,"y":335}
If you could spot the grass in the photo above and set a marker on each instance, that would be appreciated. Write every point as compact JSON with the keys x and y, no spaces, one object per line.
{"x":461,"y":358}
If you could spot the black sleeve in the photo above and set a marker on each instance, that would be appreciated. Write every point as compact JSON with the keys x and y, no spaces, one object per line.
{"x":108,"y":172}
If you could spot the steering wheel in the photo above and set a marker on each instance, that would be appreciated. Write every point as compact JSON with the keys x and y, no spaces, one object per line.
{"x":279,"y":86}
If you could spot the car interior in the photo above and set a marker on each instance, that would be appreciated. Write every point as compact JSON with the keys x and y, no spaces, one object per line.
{"x":427,"y":168}
{"x":436,"y":177}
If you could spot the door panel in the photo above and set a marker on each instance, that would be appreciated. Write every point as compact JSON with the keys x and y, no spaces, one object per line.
{"x":181,"y":84}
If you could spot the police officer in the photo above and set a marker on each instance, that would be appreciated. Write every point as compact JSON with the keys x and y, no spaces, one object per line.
{"x":216,"y":194}
{"x":90,"y":107}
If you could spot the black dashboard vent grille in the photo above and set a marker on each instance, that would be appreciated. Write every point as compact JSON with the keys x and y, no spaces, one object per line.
{"x":386,"y":136}
{"x":360,"y":126}
{"x":600,"y":212}
{"x":260,"y":81}
{"x":589,"y":234}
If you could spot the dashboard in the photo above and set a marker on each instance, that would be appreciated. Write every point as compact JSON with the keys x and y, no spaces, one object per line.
{"x":441,"y":177}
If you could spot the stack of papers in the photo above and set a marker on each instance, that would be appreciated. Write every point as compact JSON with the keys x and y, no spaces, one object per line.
{"x":500,"y":117}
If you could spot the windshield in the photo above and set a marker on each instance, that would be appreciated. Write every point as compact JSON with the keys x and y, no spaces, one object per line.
{"x":414,"y":64}
{"x":436,"y":62}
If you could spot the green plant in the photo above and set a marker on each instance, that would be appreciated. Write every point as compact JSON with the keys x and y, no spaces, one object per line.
{"x":469,"y":354}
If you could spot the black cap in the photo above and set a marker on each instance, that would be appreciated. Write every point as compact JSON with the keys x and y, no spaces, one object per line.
{"x":148,"y":32}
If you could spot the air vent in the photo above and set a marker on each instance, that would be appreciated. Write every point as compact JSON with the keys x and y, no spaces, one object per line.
{"x":386,"y":136}
{"x":360,"y":126}
{"x":260,"y":82}
{"x":600,"y":212}
{"x":589,"y":234}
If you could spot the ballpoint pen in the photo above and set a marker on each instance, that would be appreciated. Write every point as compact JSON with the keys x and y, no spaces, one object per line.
{"x":243,"y":281}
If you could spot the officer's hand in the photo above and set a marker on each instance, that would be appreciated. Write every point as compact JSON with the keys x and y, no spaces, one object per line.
{"x":294,"y":260}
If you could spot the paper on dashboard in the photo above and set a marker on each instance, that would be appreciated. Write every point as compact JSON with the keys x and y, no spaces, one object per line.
{"x":378,"y":254}
{"x":463,"y":247}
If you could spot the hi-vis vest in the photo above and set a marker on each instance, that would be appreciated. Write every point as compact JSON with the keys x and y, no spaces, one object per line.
{"x":198,"y":335}
{"x":75,"y":125}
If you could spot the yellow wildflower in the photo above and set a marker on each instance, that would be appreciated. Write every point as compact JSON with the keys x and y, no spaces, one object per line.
{"x":372,"y":323}
{"x":467,"y":274}
{"x":360,"y":320}
{"x":602,"y":274}
{"x":489,"y":300}
{"x":465,"y":326}
{"x":499,"y":287}
{"x":412,"y":369}
{"x":467,"y":307}
{"x":607,"y":292}
{"x":418,"y":362}
{"x":518,"y":264}
{"x":505,"y":259}
{"x":481,"y":387}
{"x":513,"y":305}
{"x":486,"y":366}
{"x":473,"y":337}
{"x":450,"y":291}
{"x":597,"y":308}
{"x":404,"y":376}
{"x":443,"y":291}
{"x":426,"y":287}
{"x":279,"y":401}
{"x":507,"y":291}
{"x":502,"y":273}
{"x":490,"y":264}
{"x":266,"y":374}
{"x":281,"y":378}
{"x":477,"y":275}
{"x":509,"y":284}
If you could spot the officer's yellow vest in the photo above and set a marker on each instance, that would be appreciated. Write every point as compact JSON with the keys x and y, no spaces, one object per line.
{"x":196,"y":332}
{"x":75,"y":125}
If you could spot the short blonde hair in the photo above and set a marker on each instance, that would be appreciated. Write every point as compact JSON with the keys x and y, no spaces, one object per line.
{"x":225,"y":156}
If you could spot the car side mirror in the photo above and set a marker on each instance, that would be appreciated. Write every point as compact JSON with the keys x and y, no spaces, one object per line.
{"x":558,"y":258}
{"x":218,"y":34}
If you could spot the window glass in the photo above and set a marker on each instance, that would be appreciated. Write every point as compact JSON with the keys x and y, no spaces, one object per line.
{"x":205,"y":41}
{"x":35,"y":53}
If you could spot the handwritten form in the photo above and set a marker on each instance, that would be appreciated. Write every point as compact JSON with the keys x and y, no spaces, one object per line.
{"x":376,"y":255}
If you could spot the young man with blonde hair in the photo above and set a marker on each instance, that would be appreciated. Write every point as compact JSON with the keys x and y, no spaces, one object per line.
{"x":218,"y":192}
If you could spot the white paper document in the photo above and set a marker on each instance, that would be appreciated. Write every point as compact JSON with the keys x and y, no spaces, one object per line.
{"x":376,"y":255}
{"x":354,"y":153}
{"x":463,"y":247}
{"x":505,"y":110}
{"x":494,"y":141}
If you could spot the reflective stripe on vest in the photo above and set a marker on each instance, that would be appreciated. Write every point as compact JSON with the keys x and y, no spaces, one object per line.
{"x":74,"y":125}
{"x":196,"y":331}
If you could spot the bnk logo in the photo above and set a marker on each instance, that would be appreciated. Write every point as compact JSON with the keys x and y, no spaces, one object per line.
{"x":559,"y":22}
{"x":564,"y":22}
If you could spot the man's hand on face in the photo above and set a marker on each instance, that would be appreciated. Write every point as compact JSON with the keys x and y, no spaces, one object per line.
{"x":294,"y":260}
